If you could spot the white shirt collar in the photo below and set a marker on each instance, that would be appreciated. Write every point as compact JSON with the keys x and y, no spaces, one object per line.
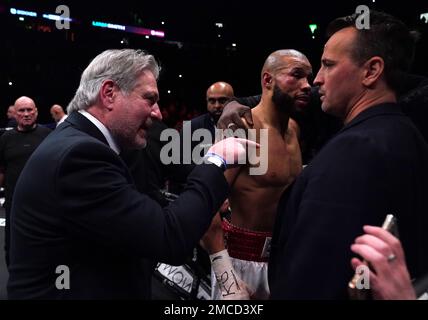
{"x":61,"y":120}
{"x":103,"y":130}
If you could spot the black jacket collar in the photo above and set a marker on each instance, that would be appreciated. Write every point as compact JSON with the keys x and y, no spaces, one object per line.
{"x":380,"y":109}
{"x":83,"y":124}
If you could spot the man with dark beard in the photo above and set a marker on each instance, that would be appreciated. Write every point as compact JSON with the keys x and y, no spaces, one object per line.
{"x":217,"y":96}
{"x":254,"y":198}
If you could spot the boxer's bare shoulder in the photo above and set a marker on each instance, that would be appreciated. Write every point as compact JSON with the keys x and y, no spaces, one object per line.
{"x":254,"y":198}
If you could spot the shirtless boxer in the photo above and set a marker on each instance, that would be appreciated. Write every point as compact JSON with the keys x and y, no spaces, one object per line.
{"x":254,"y":198}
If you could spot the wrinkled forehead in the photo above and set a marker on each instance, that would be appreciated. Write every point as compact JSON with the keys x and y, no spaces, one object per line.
{"x":217,"y":93}
{"x":25,"y":105}
{"x":146,"y":82}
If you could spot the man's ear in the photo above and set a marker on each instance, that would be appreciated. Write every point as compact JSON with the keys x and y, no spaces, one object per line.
{"x":108,"y":93}
{"x":267,"y":80}
{"x":373,"y":70}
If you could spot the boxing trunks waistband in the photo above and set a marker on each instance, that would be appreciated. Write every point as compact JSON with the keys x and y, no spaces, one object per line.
{"x":246,"y":244}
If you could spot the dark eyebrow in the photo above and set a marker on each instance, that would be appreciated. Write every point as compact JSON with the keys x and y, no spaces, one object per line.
{"x":151,"y":95}
{"x":325,"y":60}
{"x":298,"y":69}
{"x":302,"y":70}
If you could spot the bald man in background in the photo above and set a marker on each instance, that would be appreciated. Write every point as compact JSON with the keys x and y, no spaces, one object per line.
{"x":217,"y":95}
{"x":11,"y":114}
{"x":58,"y":114}
{"x":16,"y":147}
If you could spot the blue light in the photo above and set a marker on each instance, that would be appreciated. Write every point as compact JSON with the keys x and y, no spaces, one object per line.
{"x":108,"y":25}
{"x":23,"y":12}
{"x":99,"y":24}
{"x":56,"y":17}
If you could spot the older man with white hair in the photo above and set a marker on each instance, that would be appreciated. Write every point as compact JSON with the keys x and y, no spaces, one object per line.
{"x":82,"y":215}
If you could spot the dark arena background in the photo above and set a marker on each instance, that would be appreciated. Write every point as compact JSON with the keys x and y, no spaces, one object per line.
{"x":202,"y":42}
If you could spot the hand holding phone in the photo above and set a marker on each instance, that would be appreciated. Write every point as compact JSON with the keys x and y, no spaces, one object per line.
{"x":355,"y":293}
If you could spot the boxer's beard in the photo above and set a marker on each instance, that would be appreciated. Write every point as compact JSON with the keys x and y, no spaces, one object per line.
{"x":283,"y":101}
{"x":216,"y":116}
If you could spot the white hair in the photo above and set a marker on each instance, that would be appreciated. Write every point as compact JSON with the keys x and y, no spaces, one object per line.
{"x":121,"y":66}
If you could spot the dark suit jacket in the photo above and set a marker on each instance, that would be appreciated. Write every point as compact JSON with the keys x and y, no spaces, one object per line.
{"x":204,"y":121}
{"x":145,"y":165}
{"x":376,"y":165}
{"x":75,"y":204}
{"x":179,"y":173}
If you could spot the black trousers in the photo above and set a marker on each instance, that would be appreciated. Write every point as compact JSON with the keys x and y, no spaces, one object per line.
{"x":7,"y":236}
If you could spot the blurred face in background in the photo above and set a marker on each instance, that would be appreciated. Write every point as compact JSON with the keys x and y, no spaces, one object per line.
{"x":217,"y":96}
{"x":11,"y":113}
{"x":26,"y":113}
